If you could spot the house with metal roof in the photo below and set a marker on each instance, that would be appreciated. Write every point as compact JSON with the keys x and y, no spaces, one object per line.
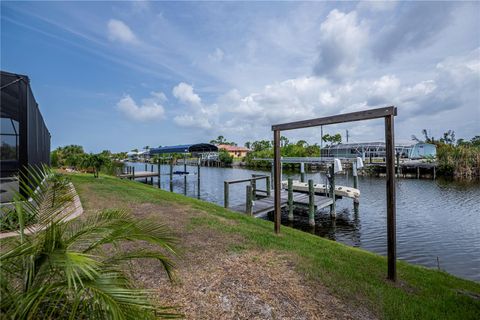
{"x":185,"y":148}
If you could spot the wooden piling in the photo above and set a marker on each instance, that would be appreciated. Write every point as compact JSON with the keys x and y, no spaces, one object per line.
{"x":333,"y":208}
{"x":249,"y":203}
{"x":290,"y":199}
{"x":311,"y":203}
{"x":253,"y":183}
{"x":418,"y":172}
{"x":391,"y":200}
{"x":398,"y":164}
{"x":277,"y":165}
{"x":184,"y":175}
{"x":272,"y":175}
{"x":355,"y":182}
{"x":269,"y":188}
{"x":225,"y":194}
{"x":171,"y":175}
{"x":302,"y":172}
{"x":434,"y":173}
{"x":159,"y":168}
{"x":198,"y":176}
{"x":133,"y":173}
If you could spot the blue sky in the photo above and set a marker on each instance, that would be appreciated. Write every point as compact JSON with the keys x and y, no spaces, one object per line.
{"x":122,"y":75}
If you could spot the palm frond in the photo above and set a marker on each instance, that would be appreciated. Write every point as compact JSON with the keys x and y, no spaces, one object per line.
{"x":73,"y":269}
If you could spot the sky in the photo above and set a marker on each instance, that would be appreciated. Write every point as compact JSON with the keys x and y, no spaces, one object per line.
{"x":124,"y":75}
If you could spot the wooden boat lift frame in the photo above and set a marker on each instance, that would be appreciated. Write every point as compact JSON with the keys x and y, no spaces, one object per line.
{"x":388,"y":113}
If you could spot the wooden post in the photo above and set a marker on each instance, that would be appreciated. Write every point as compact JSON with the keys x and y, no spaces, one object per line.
{"x":225,"y":194}
{"x":133,"y":173}
{"x":198,"y":175}
{"x":272,"y":175}
{"x":311,"y":203}
{"x":290,"y":199}
{"x":277,"y":183}
{"x":434,"y":173}
{"x":146,"y":167}
{"x":171,"y":175}
{"x":159,"y":168}
{"x":355,"y":175}
{"x":281,"y":170}
{"x":267,"y":182}
{"x":333,"y":209}
{"x":184,"y":174}
{"x":253,"y":183}
{"x":398,"y":164}
{"x":355,"y":182}
{"x":391,"y":209}
{"x":302,"y":172}
{"x":249,"y":203}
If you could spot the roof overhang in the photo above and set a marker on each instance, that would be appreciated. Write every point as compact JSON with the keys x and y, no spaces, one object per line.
{"x":186,"y":148}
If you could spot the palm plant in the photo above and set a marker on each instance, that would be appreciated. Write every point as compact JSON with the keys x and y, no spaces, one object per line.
{"x":76,"y":269}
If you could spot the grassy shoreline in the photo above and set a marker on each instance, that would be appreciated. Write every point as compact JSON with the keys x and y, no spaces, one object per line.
{"x":352,"y":274}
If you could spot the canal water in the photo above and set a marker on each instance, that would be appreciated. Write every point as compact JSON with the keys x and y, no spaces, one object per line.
{"x":438,"y":222}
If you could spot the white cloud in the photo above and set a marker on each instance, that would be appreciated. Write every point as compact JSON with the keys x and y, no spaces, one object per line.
{"x":119,"y":31}
{"x":250,"y":116}
{"x":343,"y":38}
{"x":149,"y":110}
{"x":193,"y":121}
{"x":217,"y":55}
{"x":197,"y":114}
{"x":184,"y":93}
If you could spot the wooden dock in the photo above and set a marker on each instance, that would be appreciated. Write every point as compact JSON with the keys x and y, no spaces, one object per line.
{"x":265,"y":205}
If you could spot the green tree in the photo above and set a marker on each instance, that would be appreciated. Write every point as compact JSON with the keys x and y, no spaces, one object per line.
{"x":261,"y":145}
{"x":284,"y":141}
{"x":448,"y":137}
{"x":225,"y":157}
{"x":55,"y":159}
{"x":222,"y":140}
{"x":333,"y":139}
{"x":426,"y":137}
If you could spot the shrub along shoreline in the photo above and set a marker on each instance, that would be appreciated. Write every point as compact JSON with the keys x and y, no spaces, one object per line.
{"x":352,"y":274}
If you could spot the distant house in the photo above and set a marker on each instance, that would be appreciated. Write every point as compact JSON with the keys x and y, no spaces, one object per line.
{"x":25,"y":139}
{"x":377,"y":150}
{"x":234,"y":151}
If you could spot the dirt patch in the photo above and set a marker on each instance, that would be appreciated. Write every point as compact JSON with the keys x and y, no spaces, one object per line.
{"x":214,"y":282}
{"x":252,"y":285}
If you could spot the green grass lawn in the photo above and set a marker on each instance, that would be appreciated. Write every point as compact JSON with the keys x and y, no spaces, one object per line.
{"x":352,"y":274}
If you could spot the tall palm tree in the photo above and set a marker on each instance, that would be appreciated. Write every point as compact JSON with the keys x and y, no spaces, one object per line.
{"x":75,"y":269}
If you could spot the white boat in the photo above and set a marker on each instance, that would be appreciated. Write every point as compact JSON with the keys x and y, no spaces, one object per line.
{"x":342,"y":191}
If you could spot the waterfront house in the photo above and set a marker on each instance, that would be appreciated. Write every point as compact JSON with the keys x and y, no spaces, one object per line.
{"x":372,"y":150}
{"x":234,"y":151}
